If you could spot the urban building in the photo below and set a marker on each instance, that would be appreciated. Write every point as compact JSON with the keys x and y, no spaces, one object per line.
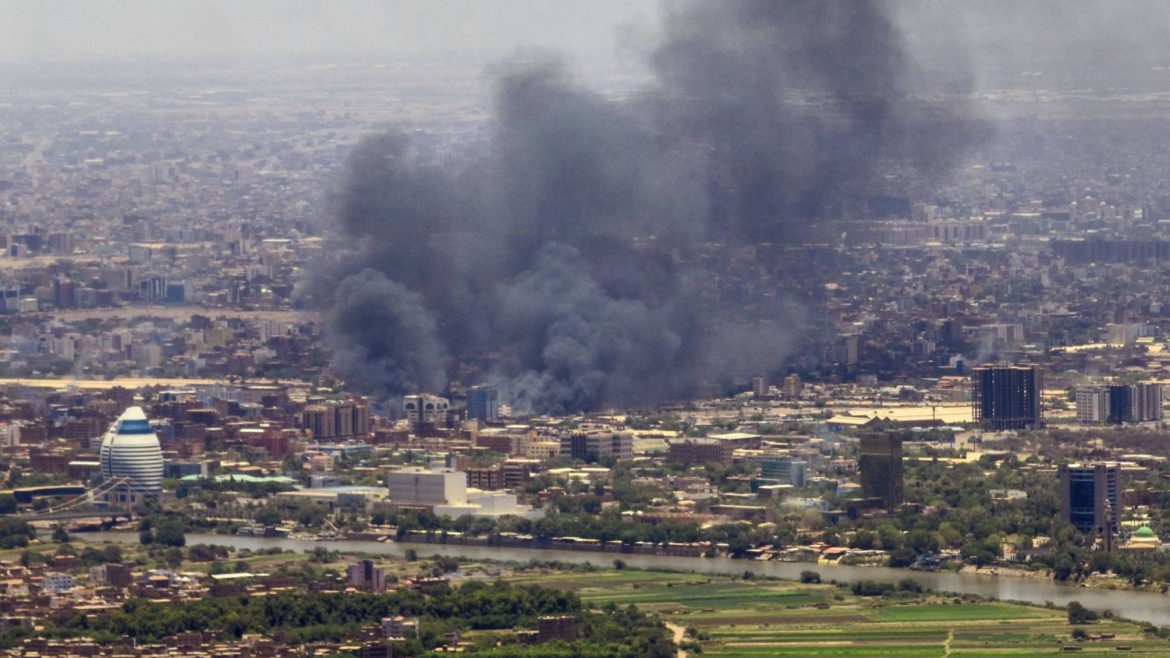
{"x":880,"y":463}
{"x":1135,"y":403}
{"x":56,"y":583}
{"x":783,"y":470}
{"x":131,"y":450}
{"x":1092,"y":405}
{"x":559,"y":627}
{"x":760,"y":386}
{"x":399,"y":627}
{"x":428,"y":409}
{"x":488,"y":504}
{"x":1007,"y":397}
{"x":699,"y":451}
{"x":1090,"y":498}
{"x":422,"y":486}
{"x":793,"y":387}
{"x":483,"y":403}
{"x":597,"y":446}
{"x":488,"y":479}
{"x":365,"y":576}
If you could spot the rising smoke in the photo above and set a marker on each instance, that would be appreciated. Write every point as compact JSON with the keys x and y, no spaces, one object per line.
{"x":561,"y":261}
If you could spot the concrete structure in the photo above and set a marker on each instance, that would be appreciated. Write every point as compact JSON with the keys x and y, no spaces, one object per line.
{"x":131,"y":450}
{"x":783,"y":470}
{"x":880,"y":463}
{"x":423,"y":486}
{"x":488,"y":504}
{"x":1092,"y":405}
{"x":760,"y":386}
{"x":1136,"y":403}
{"x":56,"y":583}
{"x":1007,"y":397}
{"x":424,"y":408}
{"x":1133,"y":403}
{"x":1090,"y":498}
{"x":399,"y":627}
{"x":365,"y":576}
{"x":597,"y":446}
{"x":560,"y":627}
{"x":699,"y":451}
{"x":793,"y":387}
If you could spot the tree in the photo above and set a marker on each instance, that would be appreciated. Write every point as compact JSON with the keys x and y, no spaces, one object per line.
{"x":60,"y":534}
{"x":808,"y":577}
{"x":146,"y":538}
{"x":8,"y":504}
{"x":862,"y":540}
{"x":922,"y":541}
{"x":174,"y":557}
{"x":1079,"y":614}
{"x":170,"y":533}
{"x":268,"y":516}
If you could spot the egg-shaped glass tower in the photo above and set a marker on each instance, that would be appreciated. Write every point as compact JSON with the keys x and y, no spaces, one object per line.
{"x":131,"y":450}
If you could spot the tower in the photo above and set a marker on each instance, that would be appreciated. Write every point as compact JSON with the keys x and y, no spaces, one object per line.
{"x":1090,"y":498}
{"x":1007,"y":397}
{"x":131,"y":450}
{"x":483,"y":403}
{"x":880,"y":463}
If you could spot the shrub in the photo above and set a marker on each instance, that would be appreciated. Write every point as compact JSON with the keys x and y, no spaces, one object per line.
{"x":808,"y":577}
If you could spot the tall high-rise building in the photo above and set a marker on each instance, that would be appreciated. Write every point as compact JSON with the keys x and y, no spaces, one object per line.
{"x":131,"y":450}
{"x":1090,"y":498}
{"x":1133,"y":403}
{"x":760,"y":386}
{"x":1136,"y":403}
{"x":1007,"y":397}
{"x":1092,"y":405}
{"x":483,"y":403}
{"x":880,"y":463}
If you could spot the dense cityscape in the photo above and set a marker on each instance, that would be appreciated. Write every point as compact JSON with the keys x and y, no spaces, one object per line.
{"x":391,"y":356}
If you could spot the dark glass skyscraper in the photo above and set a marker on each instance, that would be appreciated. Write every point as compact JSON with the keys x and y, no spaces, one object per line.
{"x":483,"y":403}
{"x":880,"y":463}
{"x":1090,"y":498}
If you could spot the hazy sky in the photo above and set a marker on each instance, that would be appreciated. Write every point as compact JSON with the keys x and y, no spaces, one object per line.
{"x":83,"y":29}
{"x":994,"y":41}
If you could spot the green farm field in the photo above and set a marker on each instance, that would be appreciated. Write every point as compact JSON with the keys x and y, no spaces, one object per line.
{"x":765,"y":618}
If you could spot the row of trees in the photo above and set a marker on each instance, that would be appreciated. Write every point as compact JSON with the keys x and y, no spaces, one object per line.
{"x":309,"y":616}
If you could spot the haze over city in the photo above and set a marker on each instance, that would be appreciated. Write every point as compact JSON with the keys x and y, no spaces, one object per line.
{"x":550,"y":329}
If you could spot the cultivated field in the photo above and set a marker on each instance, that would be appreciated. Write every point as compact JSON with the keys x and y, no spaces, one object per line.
{"x":757,"y":619}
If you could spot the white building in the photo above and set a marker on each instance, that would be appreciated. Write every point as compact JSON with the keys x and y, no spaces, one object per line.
{"x":56,"y":582}
{"x":131,"y":450}
{"x":489,"y":504}
{"x":425,"y":408}
{"x":423,"y":486}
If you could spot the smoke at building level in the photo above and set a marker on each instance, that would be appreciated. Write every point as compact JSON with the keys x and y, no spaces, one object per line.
{"x":558,"y":261}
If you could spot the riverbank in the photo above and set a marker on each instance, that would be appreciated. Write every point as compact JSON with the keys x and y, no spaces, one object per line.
{"x":1140,"y":606}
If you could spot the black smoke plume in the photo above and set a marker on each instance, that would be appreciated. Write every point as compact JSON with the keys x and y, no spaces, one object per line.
{"x":565,"y":259}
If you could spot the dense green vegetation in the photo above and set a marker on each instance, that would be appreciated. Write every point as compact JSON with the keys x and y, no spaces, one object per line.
{"x":608,"y":632}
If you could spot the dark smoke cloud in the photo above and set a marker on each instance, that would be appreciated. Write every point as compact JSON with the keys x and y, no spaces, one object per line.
{"x":383,"y":338}
{"x":564,"y":259}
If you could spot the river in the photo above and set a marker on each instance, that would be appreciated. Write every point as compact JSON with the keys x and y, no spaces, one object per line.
{"x":1140,"y":606}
